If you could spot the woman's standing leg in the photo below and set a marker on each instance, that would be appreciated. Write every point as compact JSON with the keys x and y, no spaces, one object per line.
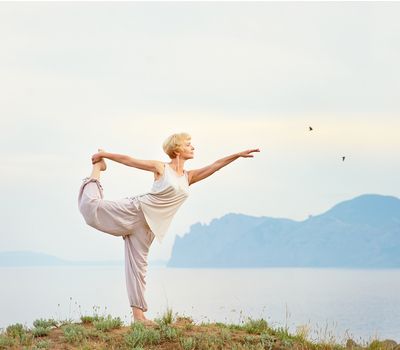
{"x":137,"y":247}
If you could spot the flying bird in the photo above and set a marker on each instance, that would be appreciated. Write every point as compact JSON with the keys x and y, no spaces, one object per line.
{"x":310,"y":128}
{"x":343,"y":158}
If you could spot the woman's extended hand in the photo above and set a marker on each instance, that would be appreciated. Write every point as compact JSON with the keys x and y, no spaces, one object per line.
{"x":246,"y":154}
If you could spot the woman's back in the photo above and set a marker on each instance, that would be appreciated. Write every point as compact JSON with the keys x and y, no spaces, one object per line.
{"x":162,"y":202}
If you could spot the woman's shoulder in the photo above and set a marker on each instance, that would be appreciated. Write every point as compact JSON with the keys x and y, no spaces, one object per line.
{"x":160,"y":168}
{"x":159,"y":165}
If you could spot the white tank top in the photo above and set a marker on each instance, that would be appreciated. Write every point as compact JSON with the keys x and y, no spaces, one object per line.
{"x":162,"y":202}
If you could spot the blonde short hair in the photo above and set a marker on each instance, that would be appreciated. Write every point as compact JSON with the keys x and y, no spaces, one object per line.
{"x":174,"y":143}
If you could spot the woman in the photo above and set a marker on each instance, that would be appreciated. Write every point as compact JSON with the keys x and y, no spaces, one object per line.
{"x":139,"y":219}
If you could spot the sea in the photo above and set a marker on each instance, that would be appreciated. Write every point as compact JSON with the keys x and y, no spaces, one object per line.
{"x":329,"y":304}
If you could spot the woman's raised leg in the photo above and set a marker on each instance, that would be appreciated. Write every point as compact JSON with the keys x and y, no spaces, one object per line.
{"x":115,"y":217}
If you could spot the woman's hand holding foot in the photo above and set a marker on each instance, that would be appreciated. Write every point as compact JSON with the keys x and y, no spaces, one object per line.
{"x":98,"y":159}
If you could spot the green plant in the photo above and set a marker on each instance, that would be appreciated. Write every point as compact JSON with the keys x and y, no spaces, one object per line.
{"x":168,"y":332}
{"x":225,"y":334}
{"x":42,"y":344}
{"x":107,"y":323}
{"x":208,"y":341}
{"x":188,"y":326}
{"x":303,"y":332}
{"x":40,"y":331}
{"x":188,"y":343}
{"x":6,"y":342}
{"x":250,"y":339}
{"x":15,"y":330}
{"x":140,"y":336}
{"x":377,"y":345}
{"x":74,"y":333}
{"x":26,"y":339}
{"x":43,"y":323}
{"x":89,"y":319}
{"x":255,"y":326}
{"x":168,"y":317}
{"x":267,"y":340}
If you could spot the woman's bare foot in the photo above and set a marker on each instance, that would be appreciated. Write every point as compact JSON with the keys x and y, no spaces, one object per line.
{"x":146,"y":322}
{"x":99,"y":165}
{"x":139,"y":316}
{"x":103,"y":165}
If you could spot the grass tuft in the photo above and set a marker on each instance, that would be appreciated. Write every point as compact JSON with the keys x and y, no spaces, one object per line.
{"x":140,"y":336}
{"x":16,"y":330}
{"x":42,"y":328}
{"x":6,"y":341}
{"x":267,"y":341}
{"x":255,"y":326}
{"x":89,"y":319}
{"x":40,"y":332}
{"x":188,"y":343}
{"x":42,"y":344}
{"x":167,"y":317}
{"x":74,"y":333}
{"x":107,"y":323}
{"x":43,"y":323}
{"x":168,"y":332}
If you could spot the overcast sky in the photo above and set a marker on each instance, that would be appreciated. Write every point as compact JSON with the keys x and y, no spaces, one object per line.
{"x":123,"y":76}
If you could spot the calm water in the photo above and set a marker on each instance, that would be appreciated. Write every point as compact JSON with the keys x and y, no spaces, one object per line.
{"x":332,"y":302}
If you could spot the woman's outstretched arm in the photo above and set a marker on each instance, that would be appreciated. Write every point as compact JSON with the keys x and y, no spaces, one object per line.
{"x":149,"y":165}
{"x":200,"y":174}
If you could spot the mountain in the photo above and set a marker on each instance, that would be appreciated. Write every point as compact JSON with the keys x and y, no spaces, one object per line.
{"x":360,"y":233}
{"x":28,"y":258}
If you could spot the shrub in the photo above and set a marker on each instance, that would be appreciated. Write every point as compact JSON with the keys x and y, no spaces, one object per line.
{"x":74,"y":333}
{"x":6,"y":342}
{"x":225,"y":334}
{"x":16,"y":330}
{"x":140,"y":336}
{"x":168,"y":332}
{"x":168,"y":317}
{"x":255,"y":326}
{"x":105,"y":324}
{"x":188,"y":343}
{"x":267,"y":340}
{"x":26,"y":339}
{"x":40,"y":331}
{"x":208,"y":341}
{"x":89,"y":319}
{"x":42,"y":323}
{"x":42,"y":344}
{"x":284,"y":336}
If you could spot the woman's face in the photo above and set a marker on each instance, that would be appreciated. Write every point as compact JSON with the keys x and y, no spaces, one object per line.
{"x":187,"y":150}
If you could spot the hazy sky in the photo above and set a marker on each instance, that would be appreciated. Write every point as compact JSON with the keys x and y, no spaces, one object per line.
{"x":123,"y":76}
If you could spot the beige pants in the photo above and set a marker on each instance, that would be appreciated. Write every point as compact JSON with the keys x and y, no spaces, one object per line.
{"x":123,"y":217}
